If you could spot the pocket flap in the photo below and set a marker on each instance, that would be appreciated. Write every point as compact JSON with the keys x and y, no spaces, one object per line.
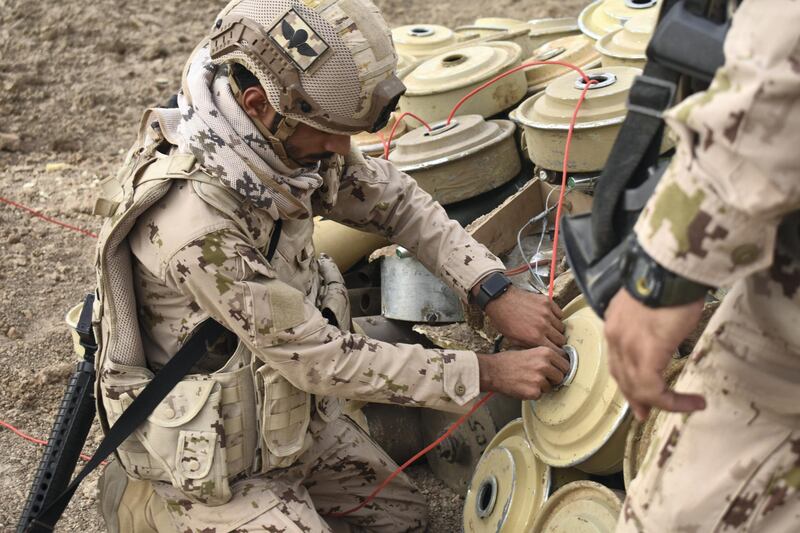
{"x":196,"y":453}
{"x":182,"y":403}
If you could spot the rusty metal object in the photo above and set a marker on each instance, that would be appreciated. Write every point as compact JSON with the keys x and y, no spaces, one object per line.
{"x":364,"y":301}
{"x":396,"y":429}
{"x":509,"y":485}
{"x":577,"y":50}
{"x":388,"y":330}
{"x":438,"y":83}
{"x":580,"y":507}
{"x":422,"y":40}
{"x":627,"y":46}
{"x":641,"y":434}
{"x":461,"y":160}
{"x":585,"y":421}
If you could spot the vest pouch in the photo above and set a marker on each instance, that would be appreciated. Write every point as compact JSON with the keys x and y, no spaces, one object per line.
{"x":285,"y":415}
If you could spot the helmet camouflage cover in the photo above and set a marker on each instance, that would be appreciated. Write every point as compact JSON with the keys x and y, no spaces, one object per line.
{"x":328,"y":63}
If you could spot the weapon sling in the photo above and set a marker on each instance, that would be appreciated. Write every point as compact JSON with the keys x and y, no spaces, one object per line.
{"x":143,"y":405}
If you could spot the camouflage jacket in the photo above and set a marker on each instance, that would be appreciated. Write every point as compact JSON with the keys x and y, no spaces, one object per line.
{"x":727,"y":206}
{"x":200,"y":252}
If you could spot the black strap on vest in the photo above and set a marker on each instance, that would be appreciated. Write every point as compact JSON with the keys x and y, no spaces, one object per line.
{"x":144,"y":404}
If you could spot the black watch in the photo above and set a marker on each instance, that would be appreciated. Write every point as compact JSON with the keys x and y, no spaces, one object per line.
{"x":654,"y":285}
{"x":494,"y":286}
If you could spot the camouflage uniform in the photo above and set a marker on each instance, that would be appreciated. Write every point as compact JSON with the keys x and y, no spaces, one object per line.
{"x":725,"y":215}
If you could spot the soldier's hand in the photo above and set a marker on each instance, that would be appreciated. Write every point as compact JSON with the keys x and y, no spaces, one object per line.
{"x":527,"y":319}
{"x":641,"y":342}
{"x":523,"y":374}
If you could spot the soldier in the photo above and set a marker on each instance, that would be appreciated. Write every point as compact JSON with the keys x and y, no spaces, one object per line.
{"x":724,"y":215}
{"x":216,"y":205}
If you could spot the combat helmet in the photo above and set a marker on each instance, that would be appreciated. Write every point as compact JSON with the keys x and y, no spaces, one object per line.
{"x":327,"y":63}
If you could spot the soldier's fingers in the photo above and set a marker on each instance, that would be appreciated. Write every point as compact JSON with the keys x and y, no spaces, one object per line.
{"x":560,"y":361}
{"x":553,"y":374}
{"x":556,"y":323}
{"x":556,"y":336}
{"x":679,"y":403}
{"x":640,"y":410}
{"x":556,"y":309}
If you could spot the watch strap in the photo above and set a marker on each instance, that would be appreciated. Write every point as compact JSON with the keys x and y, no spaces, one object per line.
{"x":655,"y":286}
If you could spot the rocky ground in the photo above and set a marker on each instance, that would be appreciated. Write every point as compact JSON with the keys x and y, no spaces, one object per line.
{"x":74,"y":78}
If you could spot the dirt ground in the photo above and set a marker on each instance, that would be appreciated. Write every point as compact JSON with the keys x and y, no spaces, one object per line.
{"x":74,"y":78}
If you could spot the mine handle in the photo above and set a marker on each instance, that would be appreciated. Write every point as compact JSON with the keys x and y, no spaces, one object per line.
{"x":72,"y":424}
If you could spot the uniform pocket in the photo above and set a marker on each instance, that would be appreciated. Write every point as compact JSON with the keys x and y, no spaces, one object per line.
{"x":285,"y":415}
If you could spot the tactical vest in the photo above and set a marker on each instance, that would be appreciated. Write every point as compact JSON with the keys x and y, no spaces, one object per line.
{"x":242,"y":420}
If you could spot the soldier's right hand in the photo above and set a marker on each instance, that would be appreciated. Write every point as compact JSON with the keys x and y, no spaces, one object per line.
{"x":523,"y":374}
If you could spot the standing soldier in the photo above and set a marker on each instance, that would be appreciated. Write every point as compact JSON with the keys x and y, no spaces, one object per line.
{"x":213,"y":218}
{"x":726,"y":214}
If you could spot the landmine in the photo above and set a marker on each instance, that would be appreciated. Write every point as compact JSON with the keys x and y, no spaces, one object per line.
{"x":458,"y":161}
{"x":641,"y":434}
{"x":345,"y":245}
{"x":577,"y":50}
{"x":509,"y":486}
{"x":585,"y":421}
{"x":604,"y":16}
{"x":545,"y":30}
{"x":372,"y":144}
{"x":437,"y":84}
{"x":546,"y":116}
{"x":580,"y":507}
{"x":421,"y":41}
{"x":627,"y":46}
{"x":506,"y":29}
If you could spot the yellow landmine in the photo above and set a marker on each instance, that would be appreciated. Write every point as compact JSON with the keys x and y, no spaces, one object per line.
{"x":576,"y":50}
{"x":580,"y":507}
{"x":461,"y":160}
{"x":546,"y":117}
{"x":585,"y":421}
{"x":509,"y":487}
{"x":421,"y":41}
{"x":545,"y":30}
{"x":626,"y":47}
{"x":436,"y":85}
{"x":604,"y":16}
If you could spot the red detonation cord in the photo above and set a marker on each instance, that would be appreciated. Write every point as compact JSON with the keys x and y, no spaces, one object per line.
{"x":33,"y":439}
{"x":553,"y":262}
{"x":388,"y":144}
{"x":47,"y":218}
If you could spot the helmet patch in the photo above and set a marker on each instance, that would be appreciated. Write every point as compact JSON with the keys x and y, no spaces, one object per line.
{"x":298,"y":40}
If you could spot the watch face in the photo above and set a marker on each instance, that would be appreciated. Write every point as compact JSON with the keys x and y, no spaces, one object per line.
{"x":495,"y":283}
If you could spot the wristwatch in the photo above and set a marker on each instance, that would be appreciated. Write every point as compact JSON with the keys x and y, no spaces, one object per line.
{"x":654,"y":285}
{"x":494,"y":286}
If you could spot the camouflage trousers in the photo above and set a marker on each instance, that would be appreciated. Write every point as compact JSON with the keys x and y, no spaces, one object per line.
{"x":736,"y":465}
{"x":340,"y":469}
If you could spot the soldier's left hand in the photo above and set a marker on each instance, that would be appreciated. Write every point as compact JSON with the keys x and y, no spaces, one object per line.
{"x":527,"y":319}
{"x":641,"y":342}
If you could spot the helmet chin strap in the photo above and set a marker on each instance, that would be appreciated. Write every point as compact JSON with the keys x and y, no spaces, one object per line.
{"x":277,"y":134}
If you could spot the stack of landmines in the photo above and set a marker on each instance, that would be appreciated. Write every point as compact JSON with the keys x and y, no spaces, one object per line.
{"x":491,"y":167}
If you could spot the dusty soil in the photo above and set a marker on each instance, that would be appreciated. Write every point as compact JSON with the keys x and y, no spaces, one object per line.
{"x":74,"y":78}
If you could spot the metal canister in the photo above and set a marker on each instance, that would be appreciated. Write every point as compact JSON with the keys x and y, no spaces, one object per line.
{"x":627,"y":46}
{"x":509,"y":486}
{"x":546,"y":117}
{"x":457,"y":161}
{"x":410,"y":292}
{"x":585,"y":421}
{"x":577,"y":50}
{"x":437,"y":84}
{"x":604,"y":16}
{"x":580,"y":507}
{"x":641,"y":434}
{"x":545,"y":30}
{"x":422,"y":40}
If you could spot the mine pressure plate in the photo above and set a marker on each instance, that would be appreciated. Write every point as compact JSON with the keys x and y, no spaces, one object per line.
{"x":460,"y":160}
{"x":584,"y":422}
{"x":422,"y":40}
{"x":436,"y":85}
{"x":372,"y":143}
{"x":580,"y":507}
{"x":604,"y":16}
{"x":509,"y":486}
{"x":627,"y":46}
{"x":577,"y":50}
